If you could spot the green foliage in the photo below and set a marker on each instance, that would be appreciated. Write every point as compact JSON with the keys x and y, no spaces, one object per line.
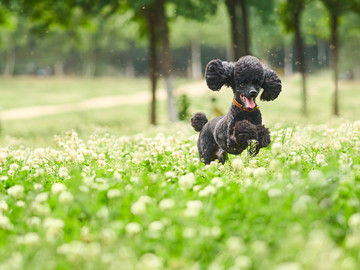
{"x":183,"y":107}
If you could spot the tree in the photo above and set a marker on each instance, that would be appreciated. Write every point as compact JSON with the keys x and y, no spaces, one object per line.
{"x":335,"y":9}
{"x":290,"y":11}
{"x":239,"y":27}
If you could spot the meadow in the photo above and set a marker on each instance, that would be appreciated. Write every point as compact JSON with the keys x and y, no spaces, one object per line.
{"x":103,"y":189}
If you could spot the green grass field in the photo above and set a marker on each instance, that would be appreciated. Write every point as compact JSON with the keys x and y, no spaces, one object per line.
{"x":115,"y":193}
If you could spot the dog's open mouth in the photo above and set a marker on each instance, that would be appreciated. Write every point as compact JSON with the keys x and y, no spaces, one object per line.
{"x":248,"y":102}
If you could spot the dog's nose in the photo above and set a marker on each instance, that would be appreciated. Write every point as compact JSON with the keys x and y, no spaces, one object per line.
{"x":253,"y":93}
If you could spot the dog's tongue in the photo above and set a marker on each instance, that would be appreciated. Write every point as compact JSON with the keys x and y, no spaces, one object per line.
{"x":249,"y":103}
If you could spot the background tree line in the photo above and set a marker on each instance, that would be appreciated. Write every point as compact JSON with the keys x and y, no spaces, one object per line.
{"x":163,"y":38}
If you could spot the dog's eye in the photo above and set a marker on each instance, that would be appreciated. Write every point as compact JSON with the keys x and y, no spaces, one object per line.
{"x":242,"y":84}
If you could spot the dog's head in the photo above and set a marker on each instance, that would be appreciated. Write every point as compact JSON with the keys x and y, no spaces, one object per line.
{"x":246,"y":77}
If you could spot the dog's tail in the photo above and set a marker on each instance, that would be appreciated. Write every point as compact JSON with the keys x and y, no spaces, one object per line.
{"x":198,"y":121}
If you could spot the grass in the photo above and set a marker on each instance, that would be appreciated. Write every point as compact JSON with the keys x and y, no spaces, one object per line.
{"x":35,"y":91}
{"x":119,"y":194}
{"x":285,"y":111}
{"x":144,"y":202}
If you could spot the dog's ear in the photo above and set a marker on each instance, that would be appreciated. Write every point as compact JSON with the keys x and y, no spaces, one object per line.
{"x":218,"y":73}
{"x":271,"y":85}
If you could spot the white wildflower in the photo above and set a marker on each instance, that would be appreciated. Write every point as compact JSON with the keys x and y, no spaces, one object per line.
{"x":132,"y":228}
{"x":274,"y":192}
{"x":3,"y":206}
{"x":16,"y":191}
{"x":29,"y":239}
{"x":354,"y":222}
{"x":207,"y":191}
{"x":243,"y":262}
{"x":54,"y":227}
{"x":66,"y":197}
{"x":138,"y":208}
{"x":276,"y":147}
{"x":288,"y":266}
{"x":156,"y":226}
{"x":57,"y":188}
{"x":315,"y":175}
{"x":193,"y":208}
{"x":166,"y":204}
{"x":187,"y":181}
{"x":150,"y":261}
{"x":237,"y":163}
{"x":320,"y":160}
{"x":5,"y":223}
{"x":42,"y":197}
{"x":14,"y":166}
{"x":259,"y":172}
{"x":63,"y":172}
{"x":235,"y":245}
{"x":189,"y":232}
{"x":80,"y":158}
{"x":33,"y":221}
{"x":20,"y":204}
{"x":113,"y":193}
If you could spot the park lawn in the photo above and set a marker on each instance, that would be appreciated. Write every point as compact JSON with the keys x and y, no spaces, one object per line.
{"x":38,"y":91}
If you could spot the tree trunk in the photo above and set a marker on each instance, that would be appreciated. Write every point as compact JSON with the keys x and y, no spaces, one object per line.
{"x":300,"y":60}
{"x":288,"y":61}
{"x":239,"y":27}
{"x":10,"y":63}
{"x":89,"y":64}
{"x":335,"y":60}
{"x":59,"y":68}
{"x":167,"y":61}
{"x":196,"y":60}
{"x":152,"y":25}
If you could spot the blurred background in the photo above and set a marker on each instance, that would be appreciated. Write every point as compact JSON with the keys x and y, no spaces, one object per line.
{"x":124,"y":66}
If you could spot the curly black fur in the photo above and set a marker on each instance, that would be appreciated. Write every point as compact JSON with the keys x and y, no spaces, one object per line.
{"x":239,"y":128}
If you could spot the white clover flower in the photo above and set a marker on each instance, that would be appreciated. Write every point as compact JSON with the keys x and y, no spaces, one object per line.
{"x":3,"y":206}
{"x":193,"y":208}
{"x":113,"y":193}
{"x":237,"y":163}
{"x":235,"y":245}
{"x":14,"y":166}
{"x":253,"y":162}
{"x":138,"y":208}
{"x":53,"y":227}
{"x":259,"y":172}
{"x":132,"y":228}
{"x":217,"y":182}
{"x":354,"y":221}
{"x":33,"y":221}
{"x":107,"y":235}
{"x":11,"y":173}
{"x":145,"y":199}
{"x":170,"y":174}
{"x":320,"y":160}
{"x":187,"y":181}
{"x":315,"y":175}
{"x":42,"y":197}
{"x":166,"y":204}
{"x":276,"y":147}
{"x":103,"y":213}
{"x":156,"y":226}
{"x":20,"y":203}
{"x":66,"y":197}
{"x":25,"y":168}
{"x":5,"y":223}
{"x":207,"y":191}
{"x":243,"y":262}
{"x":29,"y":239}
{"x":260,"y":248}
{"x":63,"y":172}
{"x":274,"y":192}
{"x":102,"y":163}
{"x":80,"y":159}
{"x":150,"y":261}
{"x":189,"y":233}
{"x":16,"y":191}
{"x":57,"y":188}
{"x":40,"y":209}
{"x":38,"y":186}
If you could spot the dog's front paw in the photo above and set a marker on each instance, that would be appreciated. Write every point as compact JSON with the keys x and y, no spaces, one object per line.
{"x":244,"y":132}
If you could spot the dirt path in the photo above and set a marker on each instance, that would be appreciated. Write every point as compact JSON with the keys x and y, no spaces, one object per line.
{"x":193,"y":89}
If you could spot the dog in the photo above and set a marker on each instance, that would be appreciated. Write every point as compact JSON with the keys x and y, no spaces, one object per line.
{"x":242,"y":125}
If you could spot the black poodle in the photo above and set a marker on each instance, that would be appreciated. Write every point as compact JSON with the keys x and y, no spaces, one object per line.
{"x":241,"y":126}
